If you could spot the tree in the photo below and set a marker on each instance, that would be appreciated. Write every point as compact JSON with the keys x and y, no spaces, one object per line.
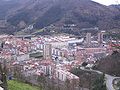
{"x":74,"y":84}
{"x":67,"y":84}
{"x":42,"y":81}
{"x":81,"y":82}
{"x":84,"y":64}
{"x":17,"y":73}
{"x":3,"y":72}
{"x":52,"y":82}
{"x":118,"y":85}
{"x":99,"y":83}
{"x":115,"y":52}
{"x":116,"y":37}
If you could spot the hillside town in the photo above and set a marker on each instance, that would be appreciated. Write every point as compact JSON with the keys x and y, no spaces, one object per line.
{"x":59,"y":44}
{"x":52,"y":56}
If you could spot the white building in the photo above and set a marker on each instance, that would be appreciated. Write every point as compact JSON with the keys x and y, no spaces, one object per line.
{"x":23,"y":57}
{"x":64,"y":75}
{"x":47,"y":69}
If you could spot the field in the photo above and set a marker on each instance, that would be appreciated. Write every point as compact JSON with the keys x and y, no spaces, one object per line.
{"x":16,"y":85}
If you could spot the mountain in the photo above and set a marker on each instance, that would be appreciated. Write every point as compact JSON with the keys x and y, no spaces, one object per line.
{"x":8,"y":5}
{"x":115,"y":6}
{"x":42,"y":13}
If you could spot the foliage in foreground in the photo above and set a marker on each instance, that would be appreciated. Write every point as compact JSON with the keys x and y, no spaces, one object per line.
{"x":99,"y":83}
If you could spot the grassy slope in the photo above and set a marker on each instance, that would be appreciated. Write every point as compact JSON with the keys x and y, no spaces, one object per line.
{"x":15,"y":85}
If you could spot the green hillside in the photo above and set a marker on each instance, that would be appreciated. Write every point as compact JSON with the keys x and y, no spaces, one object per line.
{"x":16,"y":85}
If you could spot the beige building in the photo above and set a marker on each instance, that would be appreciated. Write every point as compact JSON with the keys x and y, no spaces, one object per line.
{"x":100,"y":37}
{"x":88,"y":38}
{"x":47,"y":51}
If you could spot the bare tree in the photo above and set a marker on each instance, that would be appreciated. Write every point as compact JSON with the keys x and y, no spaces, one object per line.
{"x":67,"y":84}
{"x":17,"y":73}
{"x":81,"y":82}
{"x":42,"y":81}
{"x":3,"y":72}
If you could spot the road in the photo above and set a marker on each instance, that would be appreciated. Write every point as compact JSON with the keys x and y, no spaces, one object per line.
{"x":109,"y":82}
{"x":108,"y":78}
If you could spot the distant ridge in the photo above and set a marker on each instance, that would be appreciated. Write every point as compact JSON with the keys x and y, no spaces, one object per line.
{"x":83,"y":13}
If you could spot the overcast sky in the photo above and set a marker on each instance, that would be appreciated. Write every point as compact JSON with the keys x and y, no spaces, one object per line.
{"x":108,"y":2}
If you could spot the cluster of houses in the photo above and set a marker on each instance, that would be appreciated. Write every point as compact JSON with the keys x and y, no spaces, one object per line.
{"x":56,"y":55}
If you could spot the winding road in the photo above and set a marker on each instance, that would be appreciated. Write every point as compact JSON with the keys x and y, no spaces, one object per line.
{"x":108,"y":78}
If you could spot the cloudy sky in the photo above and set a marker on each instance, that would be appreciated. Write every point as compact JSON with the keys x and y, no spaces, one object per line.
{"x":108,"y":2}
